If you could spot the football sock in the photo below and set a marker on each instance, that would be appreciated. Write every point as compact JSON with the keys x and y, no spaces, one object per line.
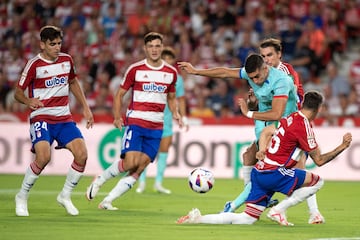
{"x":312,"y":204}
{"x":124,"y":185}
{"x":298,"y":196}
{"x":142,"y":177}
{"x":227,"y":218}
{"x":246,"y":173}
{"x":240,"y":200}
{"x":28,"y":181}
{"x":161,"y":166}
{"x":72,"y":179}
{"x":114,"y":170}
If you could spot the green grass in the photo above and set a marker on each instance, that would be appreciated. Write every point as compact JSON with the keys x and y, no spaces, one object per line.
{"x":152,"y":215}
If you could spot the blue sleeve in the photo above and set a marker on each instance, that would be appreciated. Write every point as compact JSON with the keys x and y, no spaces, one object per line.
{"x":179,"y":86}
{"x":243,"y":74}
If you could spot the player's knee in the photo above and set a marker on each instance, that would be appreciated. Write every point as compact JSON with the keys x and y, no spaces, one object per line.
{"x":81,"y":156}
{"x":249,"y":158}
{"x":316,"y":181}
{"x":42,"y":159}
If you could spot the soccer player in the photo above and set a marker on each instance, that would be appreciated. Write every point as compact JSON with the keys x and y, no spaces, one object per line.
{"x":279,"y":150}
{"x":271,"y":50}
{"x":169,"y":56}
{"x":272,"y":92}
{"x":49,"y":77}
{"x":152,"y":82}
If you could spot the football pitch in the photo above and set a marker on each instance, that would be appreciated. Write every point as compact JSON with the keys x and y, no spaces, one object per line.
{"x":152,"y":216}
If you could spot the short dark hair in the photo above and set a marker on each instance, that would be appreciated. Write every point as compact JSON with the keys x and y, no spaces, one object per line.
{"x":253,"y":62}
{"x":50,"y":33}
{"x":271,"y":42}
{"x":312,"y":100}
{"x":168,"y":51}
{"x":152,"y":36}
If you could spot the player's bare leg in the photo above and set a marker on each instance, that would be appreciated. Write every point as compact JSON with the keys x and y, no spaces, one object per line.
{"x":315,"y":215}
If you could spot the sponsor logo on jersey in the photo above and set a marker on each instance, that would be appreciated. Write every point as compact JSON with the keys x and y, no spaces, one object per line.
{"x":153,"y":87}
{"x":56,"y":81}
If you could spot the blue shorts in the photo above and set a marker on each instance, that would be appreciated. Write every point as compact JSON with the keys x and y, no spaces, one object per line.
{"x":265,"y":184}
{"x":63,"y":133}
{"x":141,"y":140}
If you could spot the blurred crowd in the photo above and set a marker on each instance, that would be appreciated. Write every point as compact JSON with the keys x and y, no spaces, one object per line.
{"x":104,"y":37}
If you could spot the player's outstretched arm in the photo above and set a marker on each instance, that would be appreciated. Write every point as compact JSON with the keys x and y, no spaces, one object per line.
{"x":217,"y":72}
{"x":321,"y":159}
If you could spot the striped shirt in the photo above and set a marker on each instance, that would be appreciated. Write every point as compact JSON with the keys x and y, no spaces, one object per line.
{"x":150,"y":87}
{"x":293,"y":136}
{"x":49,"y":81}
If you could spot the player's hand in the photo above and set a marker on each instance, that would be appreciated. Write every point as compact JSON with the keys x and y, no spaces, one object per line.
{"x":118,"y":123}
{"x":251,"y":96}
{"x":347,"y":138}
{"x":252,"y":101}
{"x":185,"y":121}
{"x":260,"y":155}
{"x":178,"y":118}
{"x":35,"y":103}
{"x":187,"y":67}
{"x":243,"y":106}
{"x":89,"y":118}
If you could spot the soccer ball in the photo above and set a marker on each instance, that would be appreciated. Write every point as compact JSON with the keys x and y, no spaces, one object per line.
{"x":201,"y":180}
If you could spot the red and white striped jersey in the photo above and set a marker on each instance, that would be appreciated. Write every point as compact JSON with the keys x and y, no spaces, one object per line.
{"x":49,"y":81}
{"x":150,"y":87}
{"x":289,"y":70}
{"x":294,"y":136}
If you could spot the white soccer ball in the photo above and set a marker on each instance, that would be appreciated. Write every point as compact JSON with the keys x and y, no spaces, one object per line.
{"x":201,"y":180}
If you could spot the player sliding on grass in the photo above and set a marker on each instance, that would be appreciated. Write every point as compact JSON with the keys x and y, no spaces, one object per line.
{"x":271,"y":50}
{"x":279,"y":150}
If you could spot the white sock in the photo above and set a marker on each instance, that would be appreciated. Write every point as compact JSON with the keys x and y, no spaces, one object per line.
{"x":72,"y":179}
{"x":298,"y":196}
{"x":246,"y":173}
{"x":124,"y":185}
{"x":312,"y":204}
{"x":109,"y":173}
{"x":28,"y":182}
{"x":227,"y":218}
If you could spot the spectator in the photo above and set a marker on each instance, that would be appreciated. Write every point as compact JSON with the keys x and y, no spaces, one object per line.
{"x":103,"y":63}
{"x":76,"y":14}
{"x":354,"y":76}
{"x":313,"y":15}
{"x":4,"y":90}
{"x":352,"y":20}
{"x":138,"y":20}
{"x":335,"y":32}
{"x":197,"y":18}
{"x":63,"y":10}
{"x":105,"y":6}
{"x":13,"y":66}
{"x":318,"y":44}
{"x":221,"y":97}
{"x":201,"y":109}
{"x":289,"y":39}
{"x":246,"y":48}
{"x":109,"y":21}
{"x":338,"y":90}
